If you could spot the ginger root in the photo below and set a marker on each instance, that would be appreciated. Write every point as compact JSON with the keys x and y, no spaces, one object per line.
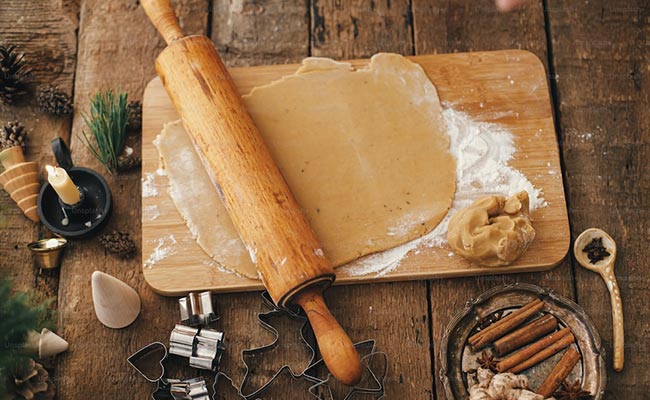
{"x":505,"y":386}
{"x":493,"y":231}
{"x":505,"y":382}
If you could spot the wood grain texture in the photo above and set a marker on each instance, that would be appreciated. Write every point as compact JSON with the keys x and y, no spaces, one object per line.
{"x":442,"y":27}
{"x":600,"y":54}
{"x":117,"y":49}
{"x":254,"y":32}
{"x":163,"y":17}
{"x":46,"y":34}
{"x":464,"y":80}
{"x":359,"y":28}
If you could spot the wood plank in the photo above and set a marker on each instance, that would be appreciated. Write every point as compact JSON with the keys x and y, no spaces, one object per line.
{"x":46,"y":33}
{"x":249,"y":32}
{"x":441,"y":27}
{"x":600,"y":54}
{"x":466,"y":80}
{"x":117,"y":48}
{"x":344,"y":30}
{"x":394,"y":314}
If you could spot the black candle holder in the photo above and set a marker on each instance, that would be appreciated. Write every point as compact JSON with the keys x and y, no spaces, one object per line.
{"x":91,"y":212}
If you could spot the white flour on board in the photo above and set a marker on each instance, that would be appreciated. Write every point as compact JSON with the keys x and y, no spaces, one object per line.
{"x":149,"y":186}
{"x":482,"y":151}
{"x":151,"y":212}
{"x":164,"y":249}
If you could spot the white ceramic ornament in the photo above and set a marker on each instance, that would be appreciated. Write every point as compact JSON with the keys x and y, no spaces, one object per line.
{"x":50,"y":344}
{"x":45,"y":344}
{"x":117,"y":305}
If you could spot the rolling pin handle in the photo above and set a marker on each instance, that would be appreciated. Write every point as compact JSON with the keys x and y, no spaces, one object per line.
{"x":335,"y":346}
{"x":162,"y":15}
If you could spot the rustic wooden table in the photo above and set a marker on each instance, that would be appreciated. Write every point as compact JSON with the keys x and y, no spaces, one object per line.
{"x":597,"y":55}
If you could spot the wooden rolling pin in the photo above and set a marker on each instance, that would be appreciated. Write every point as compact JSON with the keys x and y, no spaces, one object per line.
{"x":289,"y":258}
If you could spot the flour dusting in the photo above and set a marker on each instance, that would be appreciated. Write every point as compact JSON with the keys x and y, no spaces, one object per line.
{"x":482,"y":151}
{"x":405,"y":225}
{"x":151,"y":212}
{"x":164,"y":249}
{"x":149,"y":186}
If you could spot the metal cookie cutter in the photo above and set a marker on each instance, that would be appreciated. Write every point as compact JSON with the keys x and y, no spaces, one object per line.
{"x":148,"y":361}
{"x":191,"y":389}
{"x":177,"y":389}
{"x":197,"y":309}
{"x":375,"y":368}
{"x":204,"y":347}
{"x":373,"y":362}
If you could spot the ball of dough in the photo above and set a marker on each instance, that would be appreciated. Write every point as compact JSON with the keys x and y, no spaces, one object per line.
{"x":493,"y":231}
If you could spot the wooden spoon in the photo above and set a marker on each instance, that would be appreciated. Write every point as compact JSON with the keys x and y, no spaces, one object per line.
{"x":605,"y":268}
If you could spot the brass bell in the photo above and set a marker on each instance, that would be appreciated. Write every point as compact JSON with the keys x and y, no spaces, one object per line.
{"x":48,"y":252}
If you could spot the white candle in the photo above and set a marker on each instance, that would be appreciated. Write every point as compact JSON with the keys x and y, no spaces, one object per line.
{"x":63,"y":185}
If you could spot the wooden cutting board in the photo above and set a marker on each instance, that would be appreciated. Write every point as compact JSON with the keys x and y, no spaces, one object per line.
{"x":505,"y":87}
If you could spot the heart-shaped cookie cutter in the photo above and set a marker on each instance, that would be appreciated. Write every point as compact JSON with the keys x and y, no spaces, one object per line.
{"x":149,"y":358}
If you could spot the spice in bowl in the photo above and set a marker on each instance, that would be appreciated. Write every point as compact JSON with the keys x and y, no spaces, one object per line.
{"x":596,"y":251}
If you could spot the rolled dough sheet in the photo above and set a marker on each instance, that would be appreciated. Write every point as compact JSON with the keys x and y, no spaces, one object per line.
{"x":365,"y":153}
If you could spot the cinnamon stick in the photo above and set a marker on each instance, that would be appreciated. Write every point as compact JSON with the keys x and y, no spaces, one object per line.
{"x":476,"y":337}
{"x":537,"y":352}
{"x":526,"y":334}
{"x":559,"y":373}
{"x":506,"y":325}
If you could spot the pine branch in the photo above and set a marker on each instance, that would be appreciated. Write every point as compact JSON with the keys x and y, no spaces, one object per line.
{"x":107,"y":125}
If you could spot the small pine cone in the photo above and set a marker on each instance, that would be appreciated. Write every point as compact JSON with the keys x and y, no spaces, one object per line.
{"x":125,"y":164}
{"x":13,"y":74}
{"x":13,"y":134}
{"x":32,"y":383}
{"x":135,"y":115}
{"x":53,"y":101}
{"x":118,"y":243}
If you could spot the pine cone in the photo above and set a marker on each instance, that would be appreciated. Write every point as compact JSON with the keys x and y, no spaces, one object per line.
{"x":53,"y":101}
{"x":13,"y":134}
{"x":125,"y":164}
{"x":135,"y":115}
{"x":13,"y":74}
{"x":118,"y":243}
{"x":32,"y":383}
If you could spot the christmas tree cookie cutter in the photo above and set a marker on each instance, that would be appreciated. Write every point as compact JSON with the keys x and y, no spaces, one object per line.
{"x":372,"y":382}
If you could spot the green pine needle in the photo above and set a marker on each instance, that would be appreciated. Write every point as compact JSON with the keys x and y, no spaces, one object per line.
{"x":18,"y":315}
{"x":107,"y":124}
